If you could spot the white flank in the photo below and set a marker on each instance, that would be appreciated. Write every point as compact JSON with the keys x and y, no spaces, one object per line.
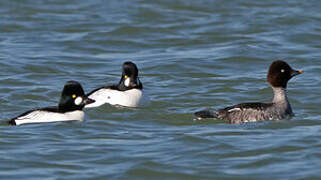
{"x":40,"y":116}
{"x":234,"y":109}
{"x":129,"y":98}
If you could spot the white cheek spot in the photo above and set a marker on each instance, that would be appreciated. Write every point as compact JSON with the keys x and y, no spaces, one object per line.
{"x":127,"y":81}
{"x":282,"y":70}
{"x":78,"y":101}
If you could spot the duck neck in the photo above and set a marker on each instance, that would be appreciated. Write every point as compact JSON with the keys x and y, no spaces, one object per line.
{"x":280,"y":95}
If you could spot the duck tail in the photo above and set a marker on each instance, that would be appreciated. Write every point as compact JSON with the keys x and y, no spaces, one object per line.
{"x":12,"y":122}
{"x":206,"y":114}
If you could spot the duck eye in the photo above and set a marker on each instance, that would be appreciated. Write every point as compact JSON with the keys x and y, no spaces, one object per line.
{"x":282,"y":70}
{"x":74,"y":96}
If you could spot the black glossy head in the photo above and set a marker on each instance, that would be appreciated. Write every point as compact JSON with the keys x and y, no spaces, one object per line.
{"x":73,"y":97}
{"x":129,"y":79}
{"x":280,"y":73}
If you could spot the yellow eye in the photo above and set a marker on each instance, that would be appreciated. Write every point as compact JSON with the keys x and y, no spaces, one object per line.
{"x":74,"y":96}
{"x":125,"y":76}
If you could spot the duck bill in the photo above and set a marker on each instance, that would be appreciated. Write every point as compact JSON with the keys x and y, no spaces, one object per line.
{"x":294,"y":73}
{"x":87,"y":101}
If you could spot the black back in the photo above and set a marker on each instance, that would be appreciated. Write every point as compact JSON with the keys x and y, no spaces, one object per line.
{"x":250,"y":106}
{"x":49,"y":109}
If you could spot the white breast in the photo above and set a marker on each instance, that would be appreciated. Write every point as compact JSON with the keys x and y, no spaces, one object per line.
{"x":40,"y":116}
{"x":129,"y":98}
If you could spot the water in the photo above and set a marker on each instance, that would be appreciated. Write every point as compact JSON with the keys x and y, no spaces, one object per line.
{"x":192,"y":55}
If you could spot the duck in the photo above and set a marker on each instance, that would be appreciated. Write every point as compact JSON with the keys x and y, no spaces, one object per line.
{"x":70,"y":108}
{"x":279,"y":73}
{"x":128,"y":92}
